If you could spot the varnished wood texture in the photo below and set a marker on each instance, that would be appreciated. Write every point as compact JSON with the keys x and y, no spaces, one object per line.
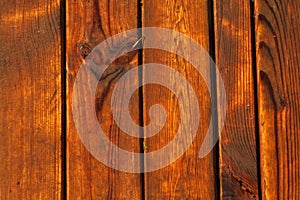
{"x":237,"y":150}
{"x":278,"y":72}
{"x":88,"y":24}
{"x":192,"y":178}
{"x":30,"y":100}
{"x":254,"y":44}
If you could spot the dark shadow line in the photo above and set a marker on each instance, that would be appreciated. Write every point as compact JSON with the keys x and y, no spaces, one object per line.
{"x":255,"y":80}
{"x":63,"y":100}
{"x":141,"y":99}
{"x":214,"y":95}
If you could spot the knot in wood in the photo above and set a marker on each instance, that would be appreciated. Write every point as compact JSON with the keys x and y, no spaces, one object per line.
{"x":85,"y":50}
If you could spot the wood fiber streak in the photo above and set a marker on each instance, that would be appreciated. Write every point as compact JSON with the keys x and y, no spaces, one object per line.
{"x":278,"y":71}
{"x":189,"y":177}
{"x":88,"y":24}
{"x":238,"y":156}
{"x":30,"y":100}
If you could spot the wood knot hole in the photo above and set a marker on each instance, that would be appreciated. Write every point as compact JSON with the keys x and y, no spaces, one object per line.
{"x":85,"y":50}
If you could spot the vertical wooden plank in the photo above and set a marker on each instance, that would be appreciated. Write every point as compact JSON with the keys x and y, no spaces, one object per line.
{"x":189,"y":177}
{"x":88,"y":24}
{"x":30,"y":100}
{"x":238,"y":156}
{"x":278,"y":71}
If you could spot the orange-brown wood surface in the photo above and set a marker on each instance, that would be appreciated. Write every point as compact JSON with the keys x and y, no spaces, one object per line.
{"x":30,"y":100}
{"x":278,"y":72}
{"x":238,"y":156}
{"x":189,"y":177}
{"x":255,"y":45}
{"x":89,"y":23}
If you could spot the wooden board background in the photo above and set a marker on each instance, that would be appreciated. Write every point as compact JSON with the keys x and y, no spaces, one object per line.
{"x":89,"y":23}
{"x":30,"y":100}
{"x":278,"y":90}
{"x":255,"y":46}
{"x":189,"y":176}
{"x":238,"y":153}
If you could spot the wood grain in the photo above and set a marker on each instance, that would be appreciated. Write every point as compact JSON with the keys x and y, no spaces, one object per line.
{"x":189,"y":177}
{"x":30,"y":100}
{"x":238,"y":156}
{"x":278,"y":71}
{"x":31,"y":151}
{"x":88,"y":24}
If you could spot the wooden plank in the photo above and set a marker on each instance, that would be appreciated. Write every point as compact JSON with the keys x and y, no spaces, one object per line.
{"x":237,"y":144}
{"x":30,"y":100}
{"x":278,"y":71}
{"x":88,"y":24}
{"x":189,"y":177}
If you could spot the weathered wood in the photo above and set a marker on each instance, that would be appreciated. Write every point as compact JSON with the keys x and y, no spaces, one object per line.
{"x":189,"y":177}
{"x":89,"y":23}
{"x":278,"y":71}
{"x":237,"y":144}
{"x":30,"y":100}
